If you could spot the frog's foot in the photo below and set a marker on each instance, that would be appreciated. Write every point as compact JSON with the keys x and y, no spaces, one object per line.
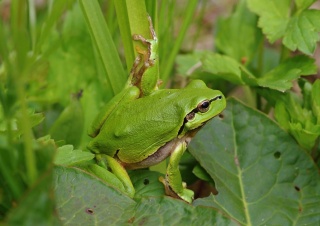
{"x":152,"y":33}
{"x":185,"y":194}
{"x":144,"y":56}
{"x":145,"y":41}
{"x":142,"y":39}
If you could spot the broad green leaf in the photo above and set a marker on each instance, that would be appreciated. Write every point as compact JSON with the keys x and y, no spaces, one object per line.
{"x":274,"y":16}
{"x":240,"y":27}
{"x":146,"y":183}
{"x":281,"y":77}
{"x":167,"y":211}
{"x":226,"y":68}
{"x":82,"y":199}
{"x":261,"y":174}
{"x":303,"y":32}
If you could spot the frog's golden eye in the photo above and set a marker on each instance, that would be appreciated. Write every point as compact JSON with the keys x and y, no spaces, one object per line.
{"x":203,"y":106}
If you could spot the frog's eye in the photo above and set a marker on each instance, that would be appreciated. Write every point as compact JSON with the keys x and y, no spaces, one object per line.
{"x":203,"y":106}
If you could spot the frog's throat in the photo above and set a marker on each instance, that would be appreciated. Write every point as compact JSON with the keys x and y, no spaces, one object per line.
{"x":162,"y":153}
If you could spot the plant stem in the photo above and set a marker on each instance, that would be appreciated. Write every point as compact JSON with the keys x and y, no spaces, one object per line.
{"x":20,"y":63}
{"x":167,"y":68}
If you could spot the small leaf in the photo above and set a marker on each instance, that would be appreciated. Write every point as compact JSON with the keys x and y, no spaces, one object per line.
{"x":299,"y":31}
{"x":281,"y":77}
{"x":274,"y":16}
{"x":302,"y":32}
{"x":66,"y":156}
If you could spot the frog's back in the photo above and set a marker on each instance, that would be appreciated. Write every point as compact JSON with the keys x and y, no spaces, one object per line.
{"x":141,"y":131}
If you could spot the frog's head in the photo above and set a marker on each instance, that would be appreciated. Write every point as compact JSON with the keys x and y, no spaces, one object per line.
{"x":203,"y":105}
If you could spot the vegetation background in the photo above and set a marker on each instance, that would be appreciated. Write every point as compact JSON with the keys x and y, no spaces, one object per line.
{"x":61,"y":61}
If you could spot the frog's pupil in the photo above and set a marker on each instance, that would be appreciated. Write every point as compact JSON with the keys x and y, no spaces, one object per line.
{"x":203,"y":106}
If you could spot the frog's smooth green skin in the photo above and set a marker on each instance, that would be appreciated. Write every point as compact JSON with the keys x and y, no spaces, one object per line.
{"x":141,"y":132}
{"x":127,"y":94}
{"x":147,"y":75}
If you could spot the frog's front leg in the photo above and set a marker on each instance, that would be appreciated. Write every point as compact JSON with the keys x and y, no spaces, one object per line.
{"x":173,"y":181}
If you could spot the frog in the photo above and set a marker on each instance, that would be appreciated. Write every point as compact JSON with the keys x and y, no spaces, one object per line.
{"x":141,"y":132}
{"x":143,"y":125}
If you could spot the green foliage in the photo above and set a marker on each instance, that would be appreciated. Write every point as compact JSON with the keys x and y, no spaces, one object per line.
{"x":262,"y":175}
{"x":298,"y":26}
{"x":69,"y":126}
{"x":300,"y":115}
{"x":262,"y":76}
{"x":62,"y":62}
{"x":94,"y":201}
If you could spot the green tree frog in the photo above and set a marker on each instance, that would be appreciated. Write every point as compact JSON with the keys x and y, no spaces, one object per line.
{"x":136,"y":132}
{"x":143,"y":125}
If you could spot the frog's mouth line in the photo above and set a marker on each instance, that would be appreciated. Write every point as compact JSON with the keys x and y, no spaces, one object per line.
{"x":195,"y":130}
